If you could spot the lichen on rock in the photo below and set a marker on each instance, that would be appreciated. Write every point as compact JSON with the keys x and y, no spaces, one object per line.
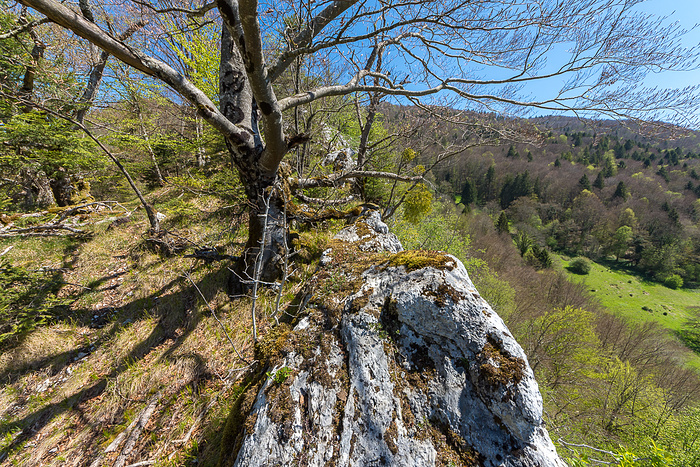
{"x":416,"y":370}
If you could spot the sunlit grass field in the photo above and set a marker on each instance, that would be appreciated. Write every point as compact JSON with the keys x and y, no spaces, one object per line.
{"x":638,"y":299}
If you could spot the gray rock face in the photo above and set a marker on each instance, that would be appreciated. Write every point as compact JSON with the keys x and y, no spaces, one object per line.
{"x":369,"y":234}
{"x":342,"y":160}
{"x":415,"y":368}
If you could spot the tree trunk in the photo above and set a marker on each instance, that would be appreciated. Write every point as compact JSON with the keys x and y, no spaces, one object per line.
{"x":201,"y":154}
{"x":267,"y":246}
{"x":147,"y":140}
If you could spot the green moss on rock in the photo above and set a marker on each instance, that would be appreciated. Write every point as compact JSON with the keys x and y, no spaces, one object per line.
{"x":272,"y":346}
{"x":412,"y":260}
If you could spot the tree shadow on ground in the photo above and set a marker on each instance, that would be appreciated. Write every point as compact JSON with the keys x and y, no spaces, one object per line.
{"x":628,"y":268}
{"x":176,"y":320}
{"x":29,"y":298}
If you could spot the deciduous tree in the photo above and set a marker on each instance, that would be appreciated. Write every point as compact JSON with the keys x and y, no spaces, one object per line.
{"x":484,"y":54}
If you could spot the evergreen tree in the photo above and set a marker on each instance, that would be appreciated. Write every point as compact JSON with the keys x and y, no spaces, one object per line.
{"x":541,"y":256}
{"x":599,"y":181}
{"x":621,"y":191}
{"x":523,"y":242}
{"x":486,"y":189}
{"x":502,"y":223}
{"x":584,"y":183}
{"x":513,"y":189}
{"x":674,"y":216}
{"x":468,"y":193}
{"x":557,"y":162}
{"x":512,"y":152}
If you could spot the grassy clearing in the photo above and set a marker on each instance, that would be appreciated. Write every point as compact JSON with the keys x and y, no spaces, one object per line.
{"x":636,"y":299}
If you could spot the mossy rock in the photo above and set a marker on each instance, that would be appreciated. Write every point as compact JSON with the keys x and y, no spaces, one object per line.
{"x":412,"y":260}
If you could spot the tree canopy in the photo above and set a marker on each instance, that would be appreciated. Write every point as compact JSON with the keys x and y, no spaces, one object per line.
{"x":470,"y":55}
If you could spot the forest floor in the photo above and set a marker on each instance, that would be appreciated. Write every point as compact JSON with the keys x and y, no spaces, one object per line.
{"x":130,"y":363}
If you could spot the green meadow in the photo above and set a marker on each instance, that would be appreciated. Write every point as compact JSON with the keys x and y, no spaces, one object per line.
{"x":638,"y":299}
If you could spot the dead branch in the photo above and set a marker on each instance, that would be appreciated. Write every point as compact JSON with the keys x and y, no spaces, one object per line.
{"x":23,"y":28}
{"x":139,"y":464}
{"x":138,"y":427}
{"x":45,"y":230}
{"x":333,"y":179}
{"x":328,"y":202}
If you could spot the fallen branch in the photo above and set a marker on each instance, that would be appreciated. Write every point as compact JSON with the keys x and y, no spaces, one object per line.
{"x":48,"y":230}
{"x":139,"y":464}
{"x":114,"y":445}
{"x":141,"y":422}
{"x":73,"y":209}
{"x":310,"y":200}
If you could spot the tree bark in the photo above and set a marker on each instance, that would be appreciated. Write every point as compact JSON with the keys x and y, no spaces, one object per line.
{"x":266,"y":225}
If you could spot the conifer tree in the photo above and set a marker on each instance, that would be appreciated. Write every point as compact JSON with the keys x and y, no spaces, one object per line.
{"x":584,"y":183}
{"x":621,"y":191}
{"x":599,"y":181}
{"x":468,"y":193}
{"x":502,"y":223}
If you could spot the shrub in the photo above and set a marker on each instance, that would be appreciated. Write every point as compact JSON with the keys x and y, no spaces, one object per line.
{"x":673,"y":281}
{"x":580,"y":266}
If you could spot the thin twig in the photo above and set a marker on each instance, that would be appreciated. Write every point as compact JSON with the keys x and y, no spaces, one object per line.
{"x":189,"y":278}
{"x":258,"y":266}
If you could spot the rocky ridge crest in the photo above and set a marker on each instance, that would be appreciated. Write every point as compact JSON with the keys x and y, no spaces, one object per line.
{"x":395,"y":359}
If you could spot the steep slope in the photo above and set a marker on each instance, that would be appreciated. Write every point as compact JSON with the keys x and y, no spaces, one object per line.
{"x":392,"y":359}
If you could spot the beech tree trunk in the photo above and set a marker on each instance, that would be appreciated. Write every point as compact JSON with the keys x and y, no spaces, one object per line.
{"x":266,"y":230}
{"x":266,"y":225}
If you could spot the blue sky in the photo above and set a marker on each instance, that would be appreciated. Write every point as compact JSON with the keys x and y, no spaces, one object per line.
{"x":687,"y":13}
{"x":684,"y":12}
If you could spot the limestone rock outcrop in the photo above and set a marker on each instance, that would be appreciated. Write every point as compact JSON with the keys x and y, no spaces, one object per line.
{"x":394,"y":359}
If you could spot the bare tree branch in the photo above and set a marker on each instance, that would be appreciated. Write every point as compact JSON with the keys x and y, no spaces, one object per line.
{"x":151,"y":66}
{"x":23,"y":28}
